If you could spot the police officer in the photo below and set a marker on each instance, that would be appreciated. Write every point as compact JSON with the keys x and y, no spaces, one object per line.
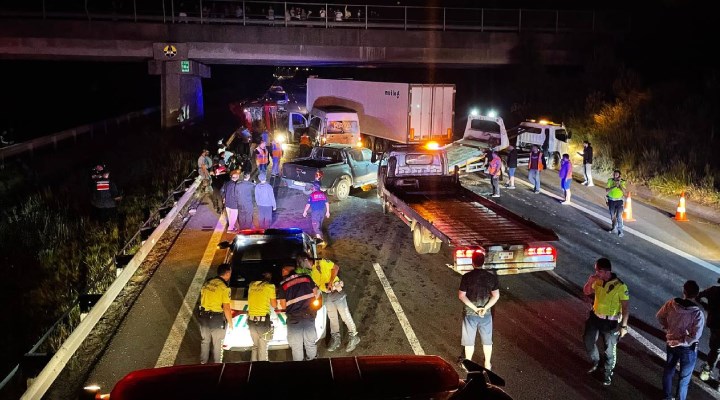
{"x":261,"y":297}
{"x":297,"y":294}
{"x":214,"y":314}
{"x":325,"y":275}
{"x":609,"y":315}
{"x":616,"y":190}
{"x":319,"y":209}
{"x":105,"y":197}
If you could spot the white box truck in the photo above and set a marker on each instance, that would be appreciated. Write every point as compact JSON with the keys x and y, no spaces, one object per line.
{"x":386,"y":112}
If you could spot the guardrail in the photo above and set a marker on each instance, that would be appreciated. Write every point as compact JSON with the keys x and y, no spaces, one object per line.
{"x":324,"y":15}
{"x":73,"y":133}
{"x":40,"y":358}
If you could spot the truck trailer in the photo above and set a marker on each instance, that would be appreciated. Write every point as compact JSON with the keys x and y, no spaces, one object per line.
{"x":386,"y":112}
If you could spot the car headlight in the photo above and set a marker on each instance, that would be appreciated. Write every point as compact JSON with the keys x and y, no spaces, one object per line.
{"x":280,"y":138}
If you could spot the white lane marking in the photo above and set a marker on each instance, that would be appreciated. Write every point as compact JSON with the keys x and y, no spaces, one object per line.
{"x":182,"y":320}
{"x":678,"y":252}
{"x":407,"y":328}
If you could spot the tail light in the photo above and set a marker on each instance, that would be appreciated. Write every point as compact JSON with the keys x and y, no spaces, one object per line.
{"x":540,"y":250}
{"x":467,"y":253}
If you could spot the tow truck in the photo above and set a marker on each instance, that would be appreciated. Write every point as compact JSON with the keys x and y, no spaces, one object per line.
{"x":413,"y":184}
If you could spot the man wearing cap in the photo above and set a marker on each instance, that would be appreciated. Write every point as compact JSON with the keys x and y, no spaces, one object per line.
{"x":325,"y":275}
{"x":230,"y":193}
{"x":297,"y":293}
{"x":246,"y":190}
{"x":319,"y":209}
{"x":265,"y":200}
{"x":608,"y":318}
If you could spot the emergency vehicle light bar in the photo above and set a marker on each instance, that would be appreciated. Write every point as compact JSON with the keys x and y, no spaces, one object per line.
{"x":274,"y":231}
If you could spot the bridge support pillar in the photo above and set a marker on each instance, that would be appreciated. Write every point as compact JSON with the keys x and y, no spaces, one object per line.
{"x":181,"y":94}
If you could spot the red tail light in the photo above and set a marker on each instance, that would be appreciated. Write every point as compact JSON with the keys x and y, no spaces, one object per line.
{"x":467,"y":253}
{"x":540,"y":251}
{"x":252,"y":231}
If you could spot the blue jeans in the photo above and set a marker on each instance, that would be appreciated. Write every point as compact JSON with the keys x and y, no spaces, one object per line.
{"x":276,"y":165}
{"x":616,"y":211}
{"x":301,"y":334}
{"x":534,"y":178}
{"x":686,"y":356}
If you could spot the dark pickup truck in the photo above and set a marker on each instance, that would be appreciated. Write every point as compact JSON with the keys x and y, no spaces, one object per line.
{"x":342,"y":166}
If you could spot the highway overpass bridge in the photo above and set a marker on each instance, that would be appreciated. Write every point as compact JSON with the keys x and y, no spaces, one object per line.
{"x":179,"y":45}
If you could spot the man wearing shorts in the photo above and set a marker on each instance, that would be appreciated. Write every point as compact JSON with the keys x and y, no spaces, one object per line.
{"x":479,"y":291}
{"x":565,"y":177}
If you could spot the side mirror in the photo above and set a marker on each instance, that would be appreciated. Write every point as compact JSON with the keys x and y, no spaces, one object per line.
{"x":224,"y":245}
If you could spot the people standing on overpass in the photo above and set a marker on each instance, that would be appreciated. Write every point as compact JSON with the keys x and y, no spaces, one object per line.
{"x":247,"y":207}
{"x":265,"y":200}
{"x":712,"y":306}
{"x":319,"y":209}
{"x":587,"y":155}
{"x":494,"y":169}
{"x":262,"y":158}
{"x":230,"y":193}
{"x":214,"y":314}
{"x":325,"y":275}
{"x":565,"y":177}
{"x":608,"y":318}
{"x":511,"y":166}
{"x":534,"y":167}
{"x":683,"y":321}
{"x":261,"y":302}
{"x":297,"y":293}
{"x":616,"y":190}
{"x":204,"y":164}
{"x":277,"y":153}
{"x":479,"y":291}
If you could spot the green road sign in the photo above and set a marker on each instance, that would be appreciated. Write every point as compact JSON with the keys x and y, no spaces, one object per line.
{"x":185,"y":66}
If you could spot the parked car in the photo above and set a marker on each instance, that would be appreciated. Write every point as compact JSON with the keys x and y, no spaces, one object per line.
{"x":342,"y":167}
{"x":363,"y":377}
{"x":251,"y":253}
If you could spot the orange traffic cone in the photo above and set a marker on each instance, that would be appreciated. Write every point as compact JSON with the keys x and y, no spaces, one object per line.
{"x":680,"y":213}
{"x":627,"y":210}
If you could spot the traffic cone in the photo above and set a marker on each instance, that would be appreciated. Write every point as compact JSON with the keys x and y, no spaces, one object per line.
{"x":680,"y":213}
{"x":627,"y":210}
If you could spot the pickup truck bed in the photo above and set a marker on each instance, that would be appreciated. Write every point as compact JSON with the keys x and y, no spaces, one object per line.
{"x":464,"y":153}
{"x":464,"y":219}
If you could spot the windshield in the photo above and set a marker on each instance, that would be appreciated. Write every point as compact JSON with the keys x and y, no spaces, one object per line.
{"x":327,"y":154}
{"x":249,"y":261}
{"x":342,"y":127}
{"x":484,"y":126}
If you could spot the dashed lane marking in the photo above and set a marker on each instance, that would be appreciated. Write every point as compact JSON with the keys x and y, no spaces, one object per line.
{"x":404,"y":323}
{"x":182,"y":320}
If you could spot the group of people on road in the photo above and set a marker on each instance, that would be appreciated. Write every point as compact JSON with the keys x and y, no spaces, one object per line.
{"x":682,"y":318}
{"x":240,"y":197}
{"x":304,"y":288}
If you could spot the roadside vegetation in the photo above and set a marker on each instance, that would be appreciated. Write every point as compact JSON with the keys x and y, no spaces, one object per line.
{"x":662,"y":136}
{"x":51,"y":247}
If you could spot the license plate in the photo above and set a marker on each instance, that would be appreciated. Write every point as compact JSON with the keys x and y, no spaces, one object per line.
{"x":506,"y":255}
{"x":298,"y":183}
{"x":464,"y":261}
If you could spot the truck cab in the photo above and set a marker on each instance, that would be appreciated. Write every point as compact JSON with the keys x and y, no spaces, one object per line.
{"x":553,"y":137}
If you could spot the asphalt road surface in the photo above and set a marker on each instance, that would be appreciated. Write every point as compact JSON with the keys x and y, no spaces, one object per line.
{"x":538,"y":320}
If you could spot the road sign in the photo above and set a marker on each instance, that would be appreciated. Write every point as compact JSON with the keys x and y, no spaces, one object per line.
{"x":170,"y":51}
{"x":185,"y":66}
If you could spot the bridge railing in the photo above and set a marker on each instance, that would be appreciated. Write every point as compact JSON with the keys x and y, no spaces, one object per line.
{"x":323,"y":15}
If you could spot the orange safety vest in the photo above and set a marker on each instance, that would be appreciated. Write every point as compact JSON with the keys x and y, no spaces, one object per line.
{"x":276,"y":150}
{"x":305,"y":139}
{"x":536,"y":161}
{"x":262,"y":156}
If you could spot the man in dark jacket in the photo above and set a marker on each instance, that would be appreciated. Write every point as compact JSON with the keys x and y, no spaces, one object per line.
{"x":230,"y":193}
{"x":105,"y":197}
{"x":712,"y":306}
{"x":511,"y":166}
{"x":297,"y":294}
{"x":587,"y":155}
{"x":246,"y":190}
{"x":683,"y":321}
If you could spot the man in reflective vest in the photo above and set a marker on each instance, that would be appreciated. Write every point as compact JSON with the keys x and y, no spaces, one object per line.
{"x":535,"y":166}
{"x":305,"y":145}
{"x":262,"y":158}
{"x":616,"y":192}
{"x":105,"y":197}
{"x":277,"y":153}
{"x":214,"y":315}
{"x":297,"y":293}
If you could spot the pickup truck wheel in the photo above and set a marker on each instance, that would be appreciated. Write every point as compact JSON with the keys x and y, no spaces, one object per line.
{"x":421,"y":247}
{"x":342,"y":189}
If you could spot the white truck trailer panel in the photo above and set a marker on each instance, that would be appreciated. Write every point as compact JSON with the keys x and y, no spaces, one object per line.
{"x":385,"y":109}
